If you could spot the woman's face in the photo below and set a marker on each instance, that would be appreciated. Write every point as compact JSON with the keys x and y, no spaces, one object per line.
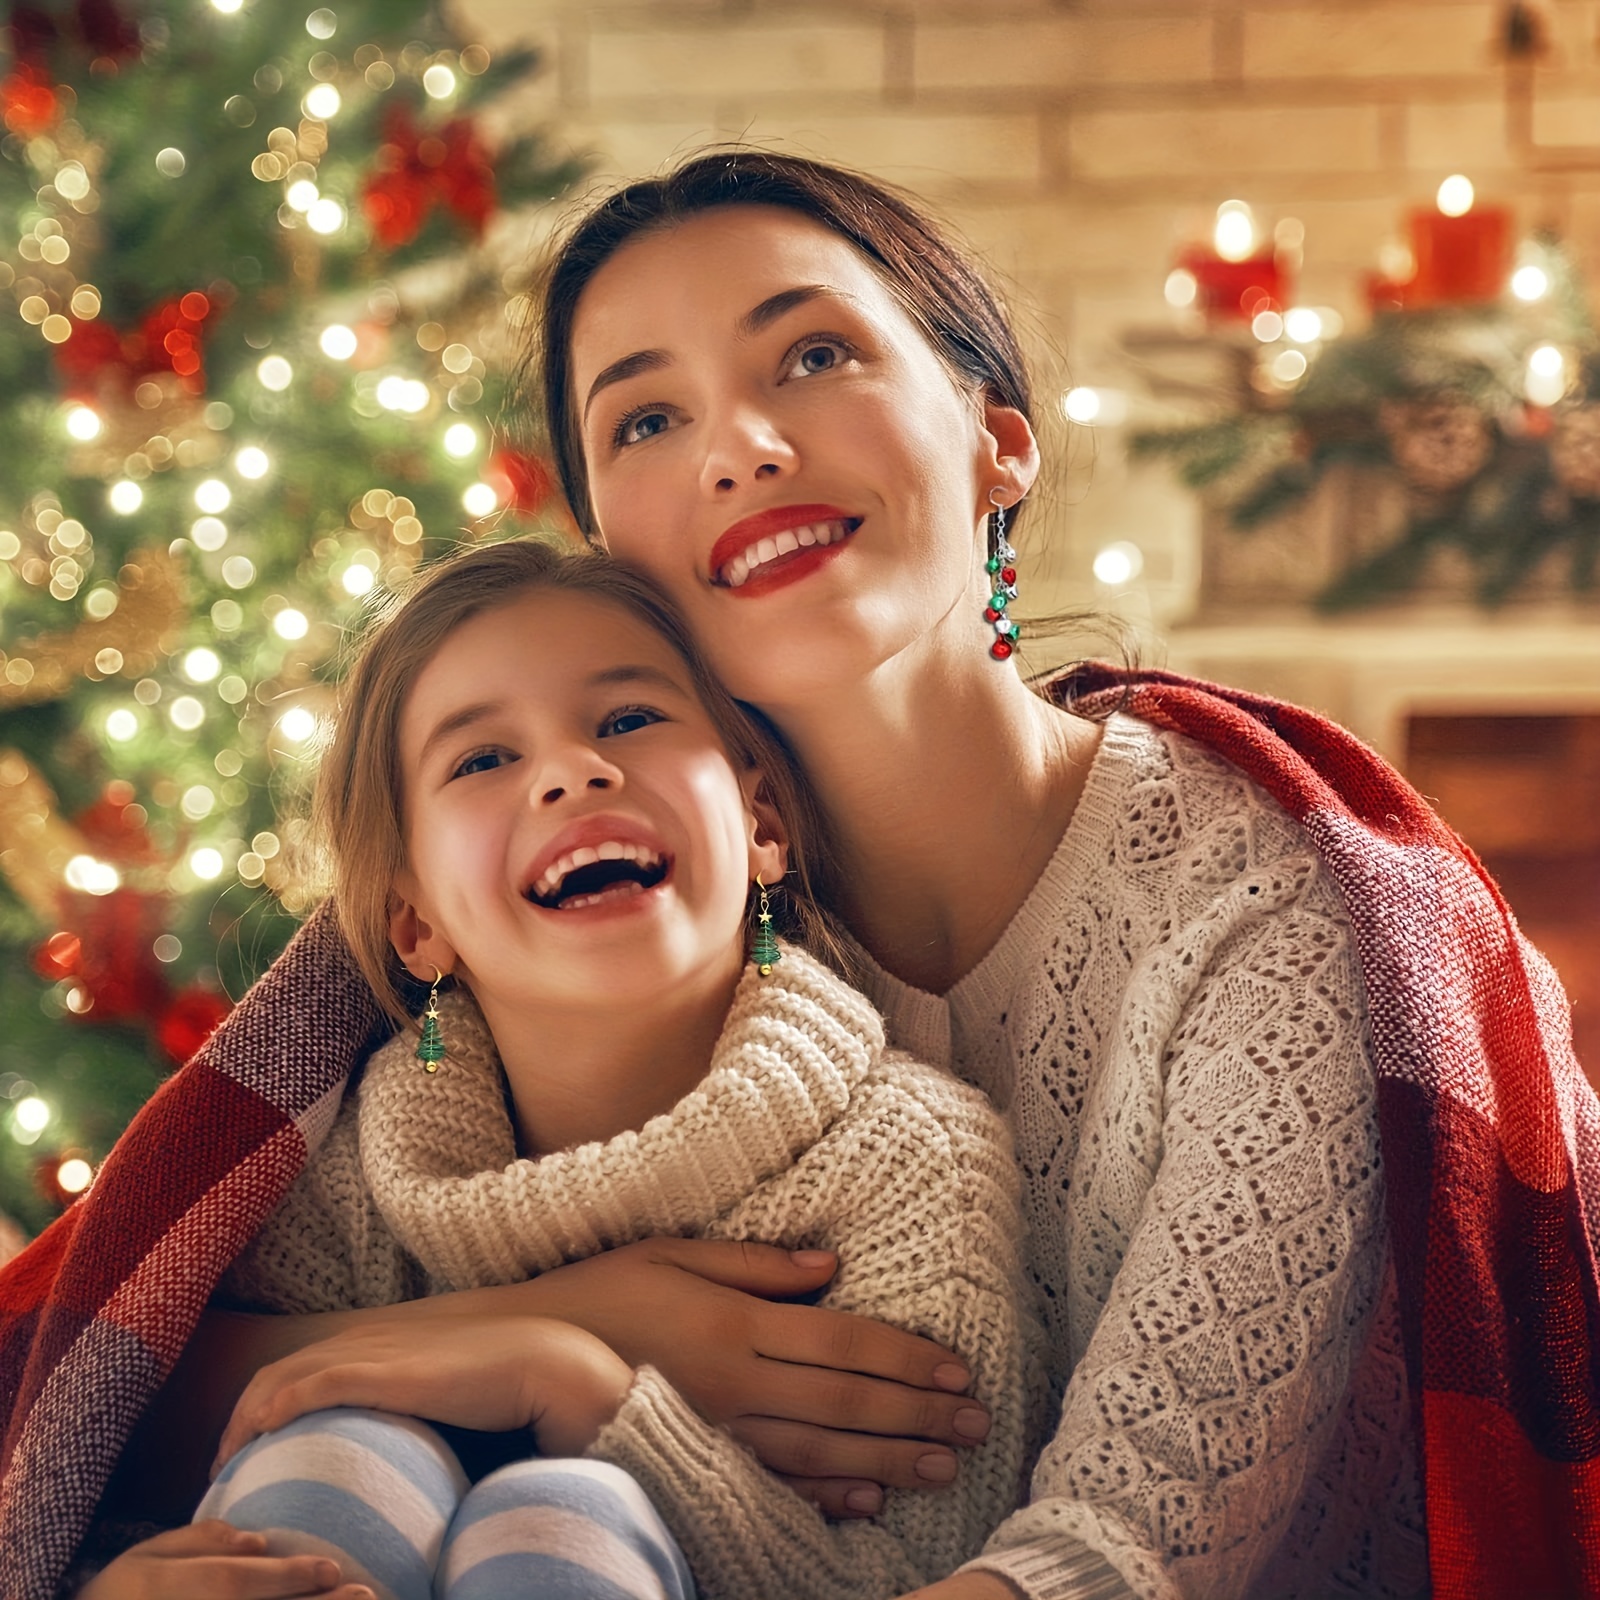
{"x":771,"y":438}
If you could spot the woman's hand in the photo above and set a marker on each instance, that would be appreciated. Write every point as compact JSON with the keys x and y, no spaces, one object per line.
{"x":967,"y":1586}
{"x":213,"y":1561}
{"x":838,"y":1405}
{"x":493,"y":1373}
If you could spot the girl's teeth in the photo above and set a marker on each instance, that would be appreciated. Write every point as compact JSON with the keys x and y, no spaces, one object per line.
{"x":612,"y":851}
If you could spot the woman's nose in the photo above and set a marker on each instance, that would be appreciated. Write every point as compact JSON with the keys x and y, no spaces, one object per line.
{"x":744,"y":449}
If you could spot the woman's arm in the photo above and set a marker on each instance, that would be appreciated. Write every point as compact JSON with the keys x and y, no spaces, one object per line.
{"x":845,"y":1403}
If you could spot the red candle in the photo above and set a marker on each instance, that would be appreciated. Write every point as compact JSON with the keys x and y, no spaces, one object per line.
{"x":1235,"y":291}
{"x":1460,"y":260}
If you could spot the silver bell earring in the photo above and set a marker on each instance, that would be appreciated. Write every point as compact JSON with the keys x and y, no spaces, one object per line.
{"x":1003,"y":577}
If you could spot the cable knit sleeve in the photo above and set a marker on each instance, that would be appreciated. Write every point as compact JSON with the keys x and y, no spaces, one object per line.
{"x":1225,"y":1229}
{"x":915,"y":1189}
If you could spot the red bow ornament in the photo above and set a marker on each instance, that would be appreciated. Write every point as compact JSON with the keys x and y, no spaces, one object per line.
{"x":419,"y":168}
{"x":167,"y":340}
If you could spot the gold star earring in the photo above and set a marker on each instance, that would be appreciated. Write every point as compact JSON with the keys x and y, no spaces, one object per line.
{"x":430,"y":1047}
{"x":764,"y":949}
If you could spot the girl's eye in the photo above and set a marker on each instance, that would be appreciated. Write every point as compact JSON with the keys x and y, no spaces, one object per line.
{"x":821,"y":354}
{"x":644,"y":422}
{"x":479,"y":761}
{"x":628,"y":720}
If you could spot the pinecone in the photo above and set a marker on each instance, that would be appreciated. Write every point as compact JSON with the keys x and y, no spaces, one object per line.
{"x":1438,"y":443}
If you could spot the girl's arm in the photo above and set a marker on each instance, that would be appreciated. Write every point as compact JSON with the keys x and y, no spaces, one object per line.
{"x":211,"y":1559}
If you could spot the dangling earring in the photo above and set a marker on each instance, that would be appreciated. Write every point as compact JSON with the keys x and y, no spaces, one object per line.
{"x":1003,"y":575}
{"x":764,"y":949}
{"x":430,"y":1047}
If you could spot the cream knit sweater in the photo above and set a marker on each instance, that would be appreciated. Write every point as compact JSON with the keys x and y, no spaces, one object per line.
{"x":1173,"y":1025}
{"x":806,"y":1133}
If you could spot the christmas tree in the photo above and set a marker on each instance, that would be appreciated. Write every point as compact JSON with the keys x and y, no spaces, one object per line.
{"x":250,"y":373}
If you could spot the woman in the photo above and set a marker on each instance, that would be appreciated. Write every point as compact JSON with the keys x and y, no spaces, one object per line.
{"x":783,"y":395}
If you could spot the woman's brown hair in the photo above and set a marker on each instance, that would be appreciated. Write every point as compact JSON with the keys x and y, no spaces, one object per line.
{"x":360,"y":804}
{"x":937,"y":282}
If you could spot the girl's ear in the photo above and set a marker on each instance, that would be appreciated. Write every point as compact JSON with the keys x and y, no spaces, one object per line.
{"x":423,"y":949}
{"x":769,"y":842}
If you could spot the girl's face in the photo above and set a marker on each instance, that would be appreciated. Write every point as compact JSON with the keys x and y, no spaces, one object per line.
{"x":575,"y":830}
{"x":770,"y":437}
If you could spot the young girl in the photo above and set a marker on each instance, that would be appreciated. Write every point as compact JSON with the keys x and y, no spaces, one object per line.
{"x":543,"y":805}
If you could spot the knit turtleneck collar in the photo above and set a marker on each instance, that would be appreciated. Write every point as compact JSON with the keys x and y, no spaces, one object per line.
{"x":440,"y":1154}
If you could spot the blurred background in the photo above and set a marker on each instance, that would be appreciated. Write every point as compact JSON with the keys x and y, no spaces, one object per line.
{"x":1308,"y":286}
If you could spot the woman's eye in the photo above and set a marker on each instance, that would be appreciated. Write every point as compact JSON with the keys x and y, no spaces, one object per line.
{"x":645,"y":423}
{"x":819,"y":356}
{"x":479,"y":761}
{"x":628,"y":720}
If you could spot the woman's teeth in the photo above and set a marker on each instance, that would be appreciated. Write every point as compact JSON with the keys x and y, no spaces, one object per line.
{"x":551,"y":879}
{"x":780,"y":544}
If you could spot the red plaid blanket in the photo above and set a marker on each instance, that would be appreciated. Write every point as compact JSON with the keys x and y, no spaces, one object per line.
{"x":1491,"y":1145}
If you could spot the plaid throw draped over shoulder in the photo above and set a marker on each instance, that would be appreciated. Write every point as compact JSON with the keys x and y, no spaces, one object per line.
{"x":1491,"y":1150}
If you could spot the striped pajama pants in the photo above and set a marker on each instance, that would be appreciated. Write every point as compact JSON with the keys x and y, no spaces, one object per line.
{"x":387,"y":1497}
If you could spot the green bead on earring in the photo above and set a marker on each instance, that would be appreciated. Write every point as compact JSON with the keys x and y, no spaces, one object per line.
{"x":764,"y":949}
{"x":430,"y":1047}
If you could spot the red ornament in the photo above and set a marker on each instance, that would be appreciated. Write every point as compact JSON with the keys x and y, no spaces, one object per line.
{"x":60,"y":956}
{"x":523,"y":483}
{"x":28,"y":104}
{"x":193,"y":1016}
{"x":95,"y":355}
{"x":418,"y":169}
{"x":116,"y":966}
{"x":1000,"y":649}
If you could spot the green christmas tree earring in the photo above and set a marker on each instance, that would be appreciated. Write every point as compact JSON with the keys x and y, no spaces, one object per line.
{"x":764,"y":949}
{"x":430,"y":1047}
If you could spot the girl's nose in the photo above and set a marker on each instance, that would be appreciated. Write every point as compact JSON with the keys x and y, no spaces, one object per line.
{"x":574,"y":770}
{"x":746,"y":448}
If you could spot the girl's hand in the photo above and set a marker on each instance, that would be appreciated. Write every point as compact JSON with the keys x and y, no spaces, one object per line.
{"x":838,"y":1405}
{"x":212,"y":1561}
{"x":494,"y":1373}
{"x":967,"y":1586}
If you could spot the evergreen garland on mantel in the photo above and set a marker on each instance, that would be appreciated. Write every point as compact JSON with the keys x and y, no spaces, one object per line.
{"x":1436,"y":398}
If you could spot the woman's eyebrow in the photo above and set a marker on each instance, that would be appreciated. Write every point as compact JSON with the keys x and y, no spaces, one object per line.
{"x":751,"y":323}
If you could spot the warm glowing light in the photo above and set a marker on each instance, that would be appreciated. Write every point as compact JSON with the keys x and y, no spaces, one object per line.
{"x":91,"y":876}
{"x":213,"y":496}
{"x":402,"y":394}
{"x":1081,"y":405}
{"x":125,"y":496}
{"x":1456,"y":195}
{"x":291,"y":624}
{"x":1119,"y":563}
{"x":460,"y":439}
{"x":275,"y":373}
{"x":121,"y":725}
{"x":1545,"y":381}
{"x":1303,"y":325}
{"x":302,"y":194}
{"x":480,"y":499}
{"x":198,"y":802}
{"x":226,"y":7}
{"x":1289,"y":366}
{"x":439,"y":81}
{"x":32,"y":1114}
{"x":171,"y":162}
{"x":1546,"y":361}
{"x":252,"y":462}
{"x":1235,"y":233}
{"x":73,"y":1175}
{"x":238,"y":572}
{"x":357,"y":580}
{"x":201,"y":665}
{"x":83,"y":424}
{"x":1181,"y":287}
{"x":186,"y":713}
{"x":167,"y":948}
{"x":1530,"y":283}
{"x":338,"y":342}
{"x":209,"y":533}
{"x":1267,"y":326}
{"x":322,"y":24}
{"x":321,"y":102}
{"x":297,"y":724}
{"x":206,"y":863}
{"x":326,"y":216}
{"x":72,"y":181}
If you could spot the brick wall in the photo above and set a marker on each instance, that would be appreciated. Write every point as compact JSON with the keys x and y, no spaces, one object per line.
{"x":1079,"y":144}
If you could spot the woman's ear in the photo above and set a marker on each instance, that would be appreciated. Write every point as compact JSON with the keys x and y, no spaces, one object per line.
{"x":423,"y":950}
{"x":769,"y":841}
{"x":1010,"y":454}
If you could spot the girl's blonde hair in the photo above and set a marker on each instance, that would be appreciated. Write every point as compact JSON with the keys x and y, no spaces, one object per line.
{"x":359,"y":801}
